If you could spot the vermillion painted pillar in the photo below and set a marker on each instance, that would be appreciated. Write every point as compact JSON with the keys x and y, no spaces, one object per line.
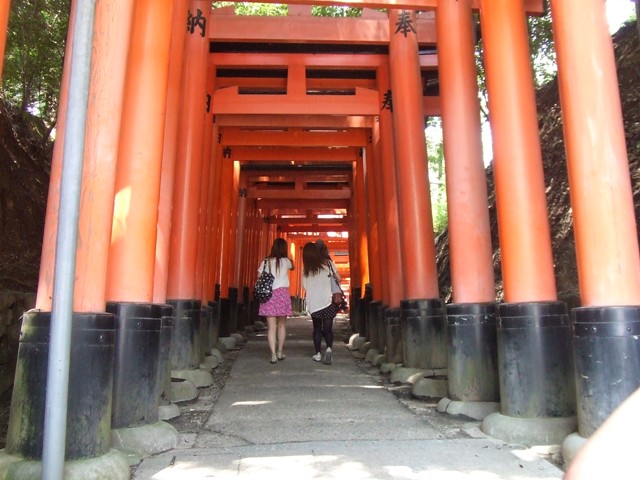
{"x":169,"y":149}
{"x":387,"y":164}
{"x":207,"y":281}
{"x":88,"y":409}
{"x":203,"y":209}
{"x":183,"y":245}
{"x":375,"y":270}
{"x":605,"y":333}
{"x":4,"y":24}
{"x":534,"y":334}
{"x":377,"y":306}
{"x":215,"y":219}
{"x":230,"y":258}
{"x":137,"y":386}
{"x":418,"y":250}
{"x":471,"y":324}
{"x":376,"y":174}
{"x":359,"y":201}
{"x":161,"y":271}
{"x":422,"y":305}
{"x":224,"y":229}
{"x":361,"y":246}
{"x":240,"y":254}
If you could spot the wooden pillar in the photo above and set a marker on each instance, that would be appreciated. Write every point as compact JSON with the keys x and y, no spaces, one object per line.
{"x":361,"y":241}
{"x":104,"y":112}
{"x":471,"y":254}
{"x":233,"y":224}
{"x":378,"y":179}
{"x":203,"y":210}
{"x":601,"y":194}
{"x":183,"y":244}
{"x":375,"y":270}
{"x":226,"y":191}
{"x":387,"y":165}
{"x":4,"y":24}
{"x":216,"y":217}
{"x":208,"y":282}
{"x":44,"y":296}
{"x":174,"y":95}
{"x":135,"y":216}
{"x":241,"y":229}
{"x":416,"y":224}
{"x":525,"y":244}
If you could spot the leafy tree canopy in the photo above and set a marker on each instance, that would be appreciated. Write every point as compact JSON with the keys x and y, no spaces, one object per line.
{"x":34,"y":56}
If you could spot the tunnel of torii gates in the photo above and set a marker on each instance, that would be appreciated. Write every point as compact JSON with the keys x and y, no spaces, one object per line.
{"x":202,"y":145}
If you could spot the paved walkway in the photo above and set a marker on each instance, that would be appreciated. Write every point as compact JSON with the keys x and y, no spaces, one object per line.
{"x":299,"y":419}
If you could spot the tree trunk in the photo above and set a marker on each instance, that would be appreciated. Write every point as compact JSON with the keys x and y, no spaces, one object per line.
{"x":638,"y":17}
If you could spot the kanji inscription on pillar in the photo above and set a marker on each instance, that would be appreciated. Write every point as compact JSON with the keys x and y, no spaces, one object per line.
{"x":405,"y":24}
{"x":387,"y":101}
{"x":197,"y":21}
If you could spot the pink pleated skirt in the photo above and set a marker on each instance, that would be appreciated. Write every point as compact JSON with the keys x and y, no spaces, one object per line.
{"x":279,"y":305}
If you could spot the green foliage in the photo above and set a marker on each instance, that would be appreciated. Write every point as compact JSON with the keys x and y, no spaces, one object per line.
{"x":34,"y":56}
{"x":543,"y":56}
{"x":335,"y":11}
{"x":437,"y":179}
{"x":261,"y":9}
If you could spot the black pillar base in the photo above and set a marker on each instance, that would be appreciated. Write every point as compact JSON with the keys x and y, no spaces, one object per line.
{"x":166,"y":333}
{"x":534,"y":360}
{"x":424,"y":333}
{"x":372,"y":328}
{"x":136,"y":392}
{"x":355,"y":311}
{"x":185,"y":346}
{"x":233,"y":309}
{"x":472,"y":366}
{"x":393,"y":335}
{"x":205,"y":332}
{"x":223,"y":313}
{"x":606,"y":342}
{"x":90,"y":386}
{"x":214,"y":326}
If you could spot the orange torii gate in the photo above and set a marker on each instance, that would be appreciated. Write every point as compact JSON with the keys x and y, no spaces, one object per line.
{"x":190,"y":173}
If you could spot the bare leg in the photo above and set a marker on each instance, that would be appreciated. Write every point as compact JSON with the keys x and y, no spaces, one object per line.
{"x":282,"y":333}
{"x":271,"y":334}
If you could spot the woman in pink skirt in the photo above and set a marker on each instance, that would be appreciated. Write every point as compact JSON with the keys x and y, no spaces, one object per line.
{"x":278,"y":307}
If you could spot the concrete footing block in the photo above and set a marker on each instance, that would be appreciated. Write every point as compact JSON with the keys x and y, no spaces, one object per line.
{"x":475,"y":410}
{"x":364,"y":349}
{"x":218,"y":354}
{"x":209,"y":363}
{"x":167,"y":412}
{"x":378,"y":360}
{"x":388,"y":367}
{"x":529,"y":431}
{"x":145,"y":440}
{"x":240,"y":340}
{"x":430,"y":387}
{"x":183,"y":390}
{"x":228,"y":342}
{"x":407,"y":375}
{"x":112,"y":465}
{"x":199,"y":377}
{"x":355,"y":342}
{"x":571,"y":445}
{"x":221,"y":347}
{"x":372,"y":354}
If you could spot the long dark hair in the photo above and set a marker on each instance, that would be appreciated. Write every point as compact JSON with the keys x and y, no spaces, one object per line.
{"x":279,"y":250}
{"x":311,"y":259}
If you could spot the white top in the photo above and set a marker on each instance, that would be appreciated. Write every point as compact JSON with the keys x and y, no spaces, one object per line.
{"x":281,"y":277}
{"x":318,"y":288}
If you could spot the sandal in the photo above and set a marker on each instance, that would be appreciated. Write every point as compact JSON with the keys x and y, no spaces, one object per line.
{"x":281,"y":356}
{"x":274,"y":358}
